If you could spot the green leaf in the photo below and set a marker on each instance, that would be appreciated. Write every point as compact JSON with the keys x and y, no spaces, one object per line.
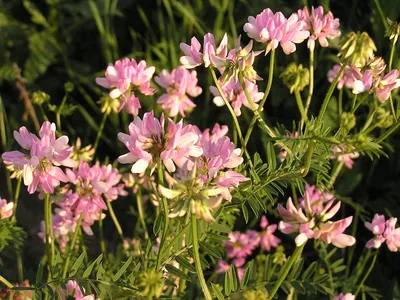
{"x":158,"y":224}
{"x":176,"y":272}
{"x":123,"y":269}
{"x":89,"y":269}
{"x":227,"y":284}
{"x":217,"y":292}
{"x":100,"y":272}
{"x":309,"y":271}
{"x":210,"y":250}
{"x":247,"y":274}
{"x":76,"y":265}
{"x":185,"y":263}
{"x":220,"y":227}
{"x":36,"y":16}
{"x":39,"y":273}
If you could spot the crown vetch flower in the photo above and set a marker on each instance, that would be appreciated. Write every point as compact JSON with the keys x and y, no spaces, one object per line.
{"x":316,"y":197}
{"x":148,"y":140}
{"x":126,"y":76}
{"x":267,"y":238}
{"x":384,"y":231}
{"x":347,"y":296}
{"x":312,"y":223}
{"x":345,"y":79}
{"x":241,"y":245}
{"x":6,"y":209}
{"x":346,"y":158}
{"x":179,"y":84}
{"x":40,"y":163}
{"x":321,"y":26}
{"x":275,"y":29}
{"x":234,"y":92}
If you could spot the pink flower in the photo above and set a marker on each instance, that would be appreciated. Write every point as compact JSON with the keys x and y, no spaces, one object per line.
{"x":179,"y":85}
{"x":148,"y":139}
{"x":310,"y":222}
{"x":44,"y":155}
{"x":384,"y":231}
{"x":241,"y":245}
{"x":275,"y":29}
{"x":74,"y":289}
{"x":193,"y":57}
{"x":363,"y":82}
{"x":125,"y":77}
{"x":345,"y":79}
{"x":267,"y":237}
{"x":346,"y":158}
{"x":346,"y":296}
{"x":223,"y":267}
{"x":386,"y":84}
{"x":6,"y":209}
{"x":322,"y":27}
{"x":235,"y":94}
{"x":316,"y":197}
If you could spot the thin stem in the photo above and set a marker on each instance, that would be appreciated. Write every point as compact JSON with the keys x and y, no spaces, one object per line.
{"x":367,"y":274}
{"x":353,"y":105}
{"x":197,"y":262}
{"x":388,"y":133}
{"x":16,"y":198}
{"x":392,"y":50}
{"x":59,"y":110}
{"x":329,"y":94}
{"x":285,"y":272}
{"x":71,"y":247}
{"x":20,"y":267}
{"x":356,"y":105}
{"x":101,"y":234}
{"x":164,"y":206}
{"x":139,"y":202}
{"x":335,"y":175}
{"x":114,"y":218}
{"x":340,"y":102}
{"x":49,"y":230}
{"x":7,"y":283}
{"x":311,"y":85}
{"x":100,"y":132}
{"x":263,"y":100}
{"x":384,"y":21}
{"x":303,"y":112}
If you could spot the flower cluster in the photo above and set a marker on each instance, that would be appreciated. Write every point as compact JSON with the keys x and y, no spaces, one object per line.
{"x":241,"y":245}
{"x":73,"y":289}
{"x":179,"y":85}
{"x":384,"y":231}
{"x":125,"y":77}
{"x":6,"y":209}
{"x":347,"y":296}
{"x":42,"y":159}
{"x":312,"y":220}
{"x":347,"y":158}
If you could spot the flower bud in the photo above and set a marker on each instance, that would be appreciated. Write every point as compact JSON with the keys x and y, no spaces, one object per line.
{"x":150,"y":284}
{"x":376,"y":64}
{"x":279,"y":257}
{"x":358,"y":48}
{"x":383,"y":118}
{"x":295,"y":77}
{"x":39,"y":97}
{"x":347,"y":121}
{"x":109,"y":104}
{"x":68,"y":86}
{"x":393,"y":30}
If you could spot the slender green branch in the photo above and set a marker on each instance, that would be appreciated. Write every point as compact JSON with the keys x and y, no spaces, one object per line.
{"x":303,"y":112}
{"x":286,"y":271}
{"x":392,"y":50}
{"x":335,"y":174}
{"x":356,"y":104}
{"x":114,"y":218}
{"x":367,"y":273}
{"x":139,"y":202}
{"x":48,"y":230}
{"x":100,"y":132}
{"x":384,"y":21}
{"x":71,"y":247}
{"x":311,"y":84}
{"x":340,"y":102}
{"x":59,"y":110}
{"x":101,"y":234}
{"x":7,"y":283}
{"x":389,"y":132}
{"x":197,"y":262}
{"x":16,"y":198}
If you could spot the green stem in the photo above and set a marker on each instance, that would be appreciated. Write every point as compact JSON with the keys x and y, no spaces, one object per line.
{"x":20,"y":267}
{"x":340,"y":102}
{"x":329,"y":94}
{"x":197,"y":262}
{"x":263,"y":100}
{"x":7,"y":283}
{"x":59,"y":110}
{"x":367,"y":274}
{"x":311,"y":86}
{"x":139,"y":202}
{"x":164,"y":206}
{"x":388,"y":133}
{"x":114,"y":218}
{"x":384,"y":21}
{"x":353,"y":105}
{"x":49,"y":232}
{"x":392,"y":50}
{"x":335,"y":175}
{"x":100,"y":132}
{"x":101,"y":234}
{"x":286,"y":270}
{"x":356,"y":104}
{"x":303,"y":112}
{"x":71,"y":247}
{"x":16,"y":198}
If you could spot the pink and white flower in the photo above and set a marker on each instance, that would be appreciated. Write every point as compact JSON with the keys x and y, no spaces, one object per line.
{"x":6,"y":209}
{"x":384,"y":231}
{"x":347,"y":296}
{"x":347,"y":158}
{"x":267,"y":238}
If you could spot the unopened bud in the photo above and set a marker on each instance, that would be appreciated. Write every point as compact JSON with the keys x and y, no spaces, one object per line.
{"x":295,"y":77}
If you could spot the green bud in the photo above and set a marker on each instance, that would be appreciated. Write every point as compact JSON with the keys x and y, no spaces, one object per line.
{"x":108,"y":104}
{"x":68,"y":86}
{"x":362,"y":138}
{"x":347,"y":121}
{"x":279,"y":257}
{"x":295,"y":77}
{"x":357,"y":48}
{"x":254,"y":294}
{"x":393,"y":30}
{"x":383,"y":118}
{"x":39,"y":97}
{"x":150,"y":284}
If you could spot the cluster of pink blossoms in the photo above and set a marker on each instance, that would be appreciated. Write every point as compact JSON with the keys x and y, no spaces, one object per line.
{"x":44,"y":156}
{"x":125,"y":77}
{"x":347,"y":296}
{"x":312,"y":220}
{"x":241,"y":245}
{"x":6,"y":209}
{"x":379,"y":83}
{"x":347,"y":158}
{"x":179,"y":85}
{"x":385,"y":231}
{"x":73,"y":289}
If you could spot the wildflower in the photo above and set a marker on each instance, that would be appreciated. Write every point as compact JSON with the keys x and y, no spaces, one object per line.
{"x":267,"y":237}
{"x":235,"y":94}
{"x":295,"y":77}
{"x":125,"y":76}
{"x":74,"y":289}
{"x":384,"y":231}
{"x":5,"y":293}
{"x":346,"y":296}
{"x":223,"y":267}
{"x":241,"y":245}
{"x":6,"y":209}
{"x":386,"y":84}
{"x":312,"y":223}
{"x":193,"y":57}
{"x":45,"y":154}
{"x":317,"y":198}
{"x":82,"y":154}
{"x":346,"y":158}
{"x":346,"y":78}
{"x":393,"y":31}
{"x":179,"y":85}
{"x":275,"y":29}
{"x":358,"y":48}
{"x":150,"y":284}
{"x":147,"y":140}
{"x":322,"y":27}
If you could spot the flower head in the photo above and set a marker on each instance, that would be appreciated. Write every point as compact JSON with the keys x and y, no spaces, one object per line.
{"x":358,"y":48}
{"x":346,"y":158}
{"x":275,"y":29}
{"x":179,"y":85}
{"x":321,"y":26}
{"x":6,"y":209}
{"x":295,"y":77}
{"x":241,"y":245}
{"x":346,"y":296}
{"x":125,"y":77}
{"x":267,"y":238}
{"x":42,"y":158}
{"x":384,"y":231}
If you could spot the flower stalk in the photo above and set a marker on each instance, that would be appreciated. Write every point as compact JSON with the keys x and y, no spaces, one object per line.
{"x":114,"y":218}
{"x":371,"y":267}
{"x":71,"y":247}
